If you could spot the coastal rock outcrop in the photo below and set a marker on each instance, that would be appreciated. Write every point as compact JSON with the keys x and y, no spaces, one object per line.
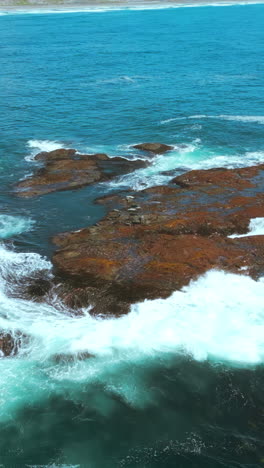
{"x":155,"y":148}
{"x":65,"y":169}
{"x":155,"y":241}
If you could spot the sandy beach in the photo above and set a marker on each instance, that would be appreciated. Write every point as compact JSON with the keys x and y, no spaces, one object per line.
{"x":11,"y":5}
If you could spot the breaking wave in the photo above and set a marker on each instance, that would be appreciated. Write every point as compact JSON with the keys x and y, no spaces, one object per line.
{"x":37,"y":146}
{"x":209,"y":319}
{"x":235,"y":118}
{"x":182,"y":159}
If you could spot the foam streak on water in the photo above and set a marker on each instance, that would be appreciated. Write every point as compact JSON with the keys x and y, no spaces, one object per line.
{"x":233,"y":118}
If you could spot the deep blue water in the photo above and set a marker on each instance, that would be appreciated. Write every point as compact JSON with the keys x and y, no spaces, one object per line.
{"x":102,"y":82}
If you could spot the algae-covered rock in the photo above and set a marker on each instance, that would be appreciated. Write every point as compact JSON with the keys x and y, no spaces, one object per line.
{"x":155,"y":148}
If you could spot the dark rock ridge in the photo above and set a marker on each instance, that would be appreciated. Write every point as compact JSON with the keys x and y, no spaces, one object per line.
{"x":155,"y":148}
{"x":65,"y":169}
{"x":155,"y":241}
{"x":37,"y":288}
{"x":10,"y":343}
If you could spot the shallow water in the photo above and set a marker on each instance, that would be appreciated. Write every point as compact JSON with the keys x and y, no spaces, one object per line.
{"x":177,"y":382}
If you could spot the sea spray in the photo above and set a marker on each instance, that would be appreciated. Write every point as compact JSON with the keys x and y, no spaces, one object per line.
{"x":176,"y":324}
{"x":256,"y":228}
{"x":13,"y":225}
{"x":201,"y":321}
{"x":37,"y":146}
{"x":184,"y":158}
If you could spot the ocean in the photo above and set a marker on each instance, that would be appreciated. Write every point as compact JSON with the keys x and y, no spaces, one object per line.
{"x":177,"y":382}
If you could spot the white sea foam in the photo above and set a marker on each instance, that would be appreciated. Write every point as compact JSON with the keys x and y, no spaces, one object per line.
{"x":219,"y":317}
{"x":234,"y":323}
{"x":36,"y":146}
{"x":209,"y":319}
{"x":256,"y":228}
{"x":14,"y":266}
{"x":230,"y":161}
{"x":237,"y":118}
{"x":182,"y":159}
{"x":153,"y":174}
{"x":14,"y":225}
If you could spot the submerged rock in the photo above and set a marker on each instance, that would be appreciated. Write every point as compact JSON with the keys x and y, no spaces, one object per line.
{"x":10,"y":343}
{"x":38,"y":288}
{"x":65,"y":169}
{"x":101,"y":301}
{"x":171,"y":236}
{"x":156,"y":148}
{"x":67,"y":358}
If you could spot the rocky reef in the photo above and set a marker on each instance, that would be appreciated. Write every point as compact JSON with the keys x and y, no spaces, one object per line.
{"x":155,"y":241}
{"x":65,"y":169}
{"x":151,"y":242}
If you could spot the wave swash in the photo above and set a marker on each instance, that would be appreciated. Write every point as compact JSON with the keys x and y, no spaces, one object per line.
{"x":202,"y":321}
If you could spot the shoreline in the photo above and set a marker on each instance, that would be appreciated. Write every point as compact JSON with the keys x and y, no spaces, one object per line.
{"x":104,"y":5}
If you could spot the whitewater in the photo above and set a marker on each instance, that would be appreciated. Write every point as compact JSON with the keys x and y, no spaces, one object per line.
{"x":185,"y":156}
{"x":219,"y":317}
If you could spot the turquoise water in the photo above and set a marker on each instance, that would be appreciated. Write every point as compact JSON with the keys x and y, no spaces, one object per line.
{"x":103,"y":81}
{"x":176,"y":383}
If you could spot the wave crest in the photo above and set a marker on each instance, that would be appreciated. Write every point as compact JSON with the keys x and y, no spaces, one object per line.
{"x":37,"y":146}
{"x":234,"y":118}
